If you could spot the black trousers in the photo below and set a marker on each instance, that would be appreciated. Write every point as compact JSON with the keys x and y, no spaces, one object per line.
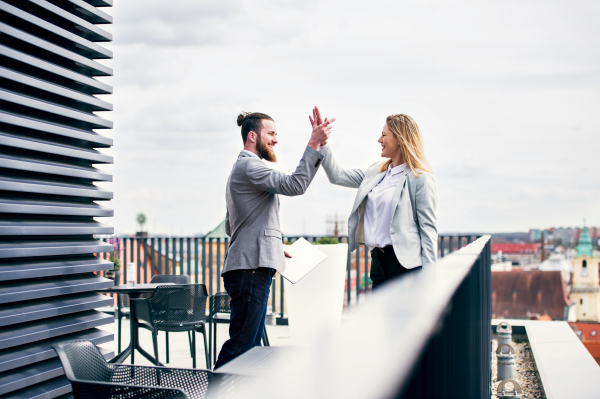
{"x":249,"y":293}
{"x":385,"y":266}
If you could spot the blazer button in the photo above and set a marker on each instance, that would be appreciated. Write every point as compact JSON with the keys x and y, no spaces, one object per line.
{"x":391,"y":231}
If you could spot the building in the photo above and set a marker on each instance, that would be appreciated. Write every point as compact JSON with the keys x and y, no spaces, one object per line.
{"x":519,"y":293}
{"x":218,"y":232}
{"x":589,"y":334}
{"x":586,"y":285}
{"x":535,"y":235}
{"x":564,"y":236}
{"x":518,"y":254}
{"x":558,"y":262}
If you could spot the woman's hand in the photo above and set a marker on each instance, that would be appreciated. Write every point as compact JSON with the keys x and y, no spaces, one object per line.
{"x":317,"y":122}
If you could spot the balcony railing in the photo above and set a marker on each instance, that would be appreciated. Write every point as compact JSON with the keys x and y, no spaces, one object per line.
{"x":423,"y":335}
{"x":202,"y":259}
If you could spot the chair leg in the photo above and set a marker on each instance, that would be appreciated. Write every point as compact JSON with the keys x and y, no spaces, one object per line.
{"x":214,"y":345}
{"x":167,"y":344}
{"x":193,"y":349}
{"x":119,"y":332}
{"x":206,"y":349}
{"x":265,"y":337}
{"x":133,"y":334}
{"x":189,"y":333}
{"x":209,"y":347}
{"x":155,"y":344}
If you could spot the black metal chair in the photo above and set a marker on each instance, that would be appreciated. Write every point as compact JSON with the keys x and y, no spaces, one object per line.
{"x":93,"y":377}
{"x":123,"y":310}
{"x":176,"y":279}
{"x":219,"y":312}
{"x":175,"y":308}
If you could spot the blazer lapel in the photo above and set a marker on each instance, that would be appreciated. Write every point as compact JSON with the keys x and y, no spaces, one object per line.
{"x":398,"y":191}
{"x":364,"y":191}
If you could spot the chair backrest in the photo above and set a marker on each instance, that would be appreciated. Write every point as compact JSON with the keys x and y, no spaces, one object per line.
{"x":170,"y":278}
{"x":178,"y":305}
{"x":83,"y":361}
{"x":219,"y":303}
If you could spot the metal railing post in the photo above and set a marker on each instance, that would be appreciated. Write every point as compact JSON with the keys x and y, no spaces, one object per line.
{"x":348,"y":276}
{"x":210,"y":266}
{"x":124,"y":263}
{"x":281,"y":300}
{"x":218,"y":264}
{"x":357,"y":259}
{"x":181,"y":253}
{"x":139,"y":260}
{"x":196,"y":255}
{"x":366,"y":270}
{"x":160,"y":264}
{"x":204,"y":262}
{"x":189,"y":257}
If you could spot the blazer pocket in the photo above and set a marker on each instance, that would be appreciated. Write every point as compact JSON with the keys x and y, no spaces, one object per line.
{"x":273,"y":233}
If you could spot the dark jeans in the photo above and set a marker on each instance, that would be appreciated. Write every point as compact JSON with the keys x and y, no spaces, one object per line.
{"x":249,"y":293}
{"x":385,"y":266}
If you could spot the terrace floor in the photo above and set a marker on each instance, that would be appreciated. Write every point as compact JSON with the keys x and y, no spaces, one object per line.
{"x":178,"y":344}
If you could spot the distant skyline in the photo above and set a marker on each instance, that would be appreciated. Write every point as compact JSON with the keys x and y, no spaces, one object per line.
{"x":506,"y":94}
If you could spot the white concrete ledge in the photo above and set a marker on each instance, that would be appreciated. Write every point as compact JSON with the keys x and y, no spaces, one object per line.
{"x":566,"y":369}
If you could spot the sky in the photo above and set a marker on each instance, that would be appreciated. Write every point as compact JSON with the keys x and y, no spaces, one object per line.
{"x":506,"y":95}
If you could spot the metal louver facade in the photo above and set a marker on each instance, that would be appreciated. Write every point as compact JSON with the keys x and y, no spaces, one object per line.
{"x":49,"y":136}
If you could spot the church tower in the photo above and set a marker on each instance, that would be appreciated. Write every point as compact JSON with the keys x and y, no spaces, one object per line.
{"x":586,"y":285}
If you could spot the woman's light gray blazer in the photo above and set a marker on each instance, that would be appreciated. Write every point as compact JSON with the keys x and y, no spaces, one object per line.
{"x":413,"y":222}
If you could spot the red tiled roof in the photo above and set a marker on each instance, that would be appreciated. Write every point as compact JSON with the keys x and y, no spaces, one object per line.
{"x":516,"y":248}
{"x":517,"y":293}
{"x":590,"y":332}
{"x":594,"y":349}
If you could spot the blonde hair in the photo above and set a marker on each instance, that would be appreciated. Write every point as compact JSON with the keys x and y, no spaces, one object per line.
{"x":405,"y":129}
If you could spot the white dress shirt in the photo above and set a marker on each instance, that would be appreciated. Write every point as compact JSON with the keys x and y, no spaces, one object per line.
{"x":378,"y":212}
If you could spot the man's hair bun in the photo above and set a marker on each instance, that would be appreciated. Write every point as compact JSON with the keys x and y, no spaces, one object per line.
{"x":242,"y":118}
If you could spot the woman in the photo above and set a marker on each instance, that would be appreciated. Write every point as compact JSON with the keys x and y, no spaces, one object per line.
{"x":394,"y":211}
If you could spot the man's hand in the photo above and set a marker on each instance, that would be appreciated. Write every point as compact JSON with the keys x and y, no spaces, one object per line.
{"x":286,"y":254}
{"x":321,"y":130}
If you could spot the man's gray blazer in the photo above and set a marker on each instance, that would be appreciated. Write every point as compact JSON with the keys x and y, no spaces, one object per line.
{"x":413,"y":220}
{"x":252,"y":219}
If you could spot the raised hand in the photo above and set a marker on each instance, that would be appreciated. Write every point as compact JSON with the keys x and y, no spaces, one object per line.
{"x":321,"y":130}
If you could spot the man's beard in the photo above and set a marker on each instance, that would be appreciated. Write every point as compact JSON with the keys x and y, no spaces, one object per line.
{"x":264,"y":151}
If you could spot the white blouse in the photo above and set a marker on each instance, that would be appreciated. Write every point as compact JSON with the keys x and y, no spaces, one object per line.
{"x":378,"y":212}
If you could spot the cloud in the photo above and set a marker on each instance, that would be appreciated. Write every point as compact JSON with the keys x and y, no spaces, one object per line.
{"x":185,"y":23}
{"x":505,"y":93}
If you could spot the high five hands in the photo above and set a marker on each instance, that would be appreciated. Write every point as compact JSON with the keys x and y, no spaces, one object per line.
{"x":321,"y":129}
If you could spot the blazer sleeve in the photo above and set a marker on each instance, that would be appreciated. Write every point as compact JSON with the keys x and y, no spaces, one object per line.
{"x":426,"y":206}
{"x":227,"y":225}
{"x":337,"y":174}
{"x":273,"y":181}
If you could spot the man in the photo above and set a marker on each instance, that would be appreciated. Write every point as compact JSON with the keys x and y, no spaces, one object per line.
{"x":252,"y":222}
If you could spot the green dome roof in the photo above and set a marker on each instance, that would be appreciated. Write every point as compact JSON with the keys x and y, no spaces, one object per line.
{"x":584,"y":246}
